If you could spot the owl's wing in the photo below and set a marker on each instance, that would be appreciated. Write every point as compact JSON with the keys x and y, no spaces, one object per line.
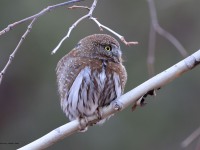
{"x":121,"y":71}
{"x":67,"y":70}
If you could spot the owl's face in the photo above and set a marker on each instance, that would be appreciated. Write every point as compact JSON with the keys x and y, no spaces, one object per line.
{"x":100,"y":46}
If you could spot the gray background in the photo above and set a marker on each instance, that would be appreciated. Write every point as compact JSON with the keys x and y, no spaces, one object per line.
{"x":29,"y":101}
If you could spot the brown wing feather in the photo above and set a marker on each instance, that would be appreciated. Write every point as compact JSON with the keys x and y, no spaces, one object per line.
{"x":119,"y":69}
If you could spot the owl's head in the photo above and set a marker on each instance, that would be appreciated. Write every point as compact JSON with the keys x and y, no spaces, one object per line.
{"x":100,"y":46}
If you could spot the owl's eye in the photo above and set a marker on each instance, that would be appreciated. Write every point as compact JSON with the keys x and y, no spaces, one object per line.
{"x":108,"y":48}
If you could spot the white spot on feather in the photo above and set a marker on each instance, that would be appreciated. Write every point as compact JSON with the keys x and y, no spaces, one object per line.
{"x":102,"y":76}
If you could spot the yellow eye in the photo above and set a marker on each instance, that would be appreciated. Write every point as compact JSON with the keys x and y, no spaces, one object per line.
{"x":108,"y":48}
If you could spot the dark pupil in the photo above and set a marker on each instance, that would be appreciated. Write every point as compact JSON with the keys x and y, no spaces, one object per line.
{"x":108,"y":48}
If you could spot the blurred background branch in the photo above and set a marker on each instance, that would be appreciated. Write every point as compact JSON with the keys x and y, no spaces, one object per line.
{"x":191,"y":138}
{"x":156,"y":28}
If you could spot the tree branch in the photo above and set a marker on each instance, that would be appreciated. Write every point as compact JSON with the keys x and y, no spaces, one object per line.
{"x":124,"y":101}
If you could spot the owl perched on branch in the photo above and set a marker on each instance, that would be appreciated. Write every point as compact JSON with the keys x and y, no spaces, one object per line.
{"x":90,"y":76}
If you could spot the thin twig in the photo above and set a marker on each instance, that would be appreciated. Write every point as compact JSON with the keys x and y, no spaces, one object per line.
{"x":191,"y":138}
{"x":16,"y":49}
{"x":101,"y":26}
{"x":48,"y":9}
{"x":74,"y":25}
{"x":123,"y":102}
{"x":76,"y":6}
{"x":157,"y":28}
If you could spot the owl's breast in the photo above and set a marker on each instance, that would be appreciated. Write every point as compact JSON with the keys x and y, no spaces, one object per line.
{"x":86,"y":84}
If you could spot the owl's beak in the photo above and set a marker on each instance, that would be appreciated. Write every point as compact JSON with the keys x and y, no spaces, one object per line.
{"x":117,"y":54}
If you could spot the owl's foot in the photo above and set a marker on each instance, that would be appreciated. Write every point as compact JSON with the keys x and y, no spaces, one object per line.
{"x":141,"y":101}
{"x":83,"y":123}
{"x":99,"y":116}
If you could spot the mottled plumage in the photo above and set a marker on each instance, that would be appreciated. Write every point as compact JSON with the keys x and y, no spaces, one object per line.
{"x":90,"y":76}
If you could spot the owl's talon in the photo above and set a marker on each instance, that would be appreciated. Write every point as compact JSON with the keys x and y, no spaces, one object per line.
{"x":140,"y":102}
{"x":83,"y":123}
{"x":151,"y":93}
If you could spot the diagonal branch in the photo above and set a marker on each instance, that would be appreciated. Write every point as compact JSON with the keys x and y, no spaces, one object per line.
{"x":156,"y":28}
{"x":16,"y":49}
{"x":124,"y":101}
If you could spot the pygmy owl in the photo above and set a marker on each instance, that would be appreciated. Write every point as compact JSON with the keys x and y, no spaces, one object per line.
{"x":90,"y":76}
